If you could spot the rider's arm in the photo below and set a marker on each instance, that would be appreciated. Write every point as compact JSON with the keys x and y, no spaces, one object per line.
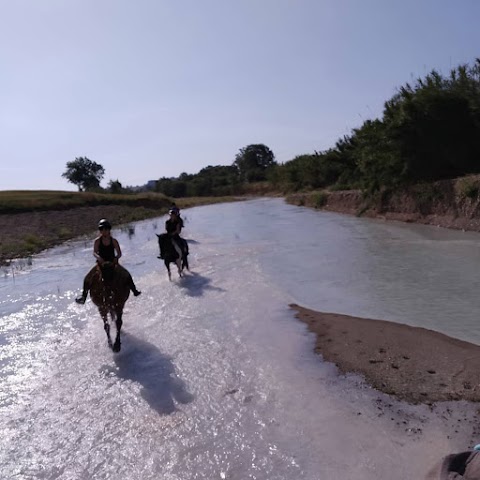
{"x":117,"y":248}
{"x":96,"y":249}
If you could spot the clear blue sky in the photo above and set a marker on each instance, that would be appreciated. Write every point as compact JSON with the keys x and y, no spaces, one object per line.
{"x":152,"y":88}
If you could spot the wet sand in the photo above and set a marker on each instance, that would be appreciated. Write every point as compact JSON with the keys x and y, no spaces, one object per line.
{"x":410,"y":363}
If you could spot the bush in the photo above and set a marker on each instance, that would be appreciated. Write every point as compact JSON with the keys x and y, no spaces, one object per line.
{"x":320,"y":199}
{"x":33,"y":243}
{"x":468,"y":188}
{"x":65,"y":232}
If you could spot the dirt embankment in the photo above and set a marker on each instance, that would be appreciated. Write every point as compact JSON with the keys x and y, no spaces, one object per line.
{"x":23,"y":234}
{"x":448,"y":203}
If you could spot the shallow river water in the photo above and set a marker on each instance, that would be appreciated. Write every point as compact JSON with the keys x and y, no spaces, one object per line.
{"x":216,"y":379}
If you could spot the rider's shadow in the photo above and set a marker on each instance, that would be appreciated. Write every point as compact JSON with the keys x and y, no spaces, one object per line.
{"x":195,"y":284}
{"x":143,"y":363}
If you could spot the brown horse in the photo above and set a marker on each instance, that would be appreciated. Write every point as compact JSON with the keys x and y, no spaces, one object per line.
{"x":109,"y":291}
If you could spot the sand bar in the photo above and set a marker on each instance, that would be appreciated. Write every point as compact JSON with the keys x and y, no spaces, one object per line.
{"x":413,"y":364}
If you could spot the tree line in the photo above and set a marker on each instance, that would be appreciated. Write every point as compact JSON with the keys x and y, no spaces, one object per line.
{"x":253,"y":163}
{"x":429,"y":130}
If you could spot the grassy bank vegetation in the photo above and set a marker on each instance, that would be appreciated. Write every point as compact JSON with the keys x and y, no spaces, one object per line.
{"x":17,"y":201}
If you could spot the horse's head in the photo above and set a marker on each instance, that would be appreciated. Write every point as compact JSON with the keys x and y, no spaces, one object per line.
{"x":108,"y":271}
{"x":167,"y":252}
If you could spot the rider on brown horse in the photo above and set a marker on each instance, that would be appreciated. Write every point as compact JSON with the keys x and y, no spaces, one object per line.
{"x":105,"y":249}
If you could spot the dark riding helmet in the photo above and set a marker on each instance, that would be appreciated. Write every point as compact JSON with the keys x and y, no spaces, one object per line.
{"x":104,"y":223}
{"x":174,"y":210}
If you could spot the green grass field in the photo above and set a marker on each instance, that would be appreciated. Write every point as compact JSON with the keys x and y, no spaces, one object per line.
{"x":17,"y":201}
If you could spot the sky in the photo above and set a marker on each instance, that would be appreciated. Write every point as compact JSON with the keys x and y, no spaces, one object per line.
{"x":155,"y":88}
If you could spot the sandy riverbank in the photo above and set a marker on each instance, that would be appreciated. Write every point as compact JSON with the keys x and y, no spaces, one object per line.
{"x":412,"y":364}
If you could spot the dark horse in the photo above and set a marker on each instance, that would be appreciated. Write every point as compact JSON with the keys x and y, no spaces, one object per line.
{"x":169,"y":255}
{"x":109,"y":292}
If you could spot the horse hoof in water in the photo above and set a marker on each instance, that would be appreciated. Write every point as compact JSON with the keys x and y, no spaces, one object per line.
{"x":117,"y":346}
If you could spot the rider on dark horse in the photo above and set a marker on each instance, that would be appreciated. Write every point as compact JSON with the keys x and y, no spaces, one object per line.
{"x":105,"y":249}
{"x":173,"y":227}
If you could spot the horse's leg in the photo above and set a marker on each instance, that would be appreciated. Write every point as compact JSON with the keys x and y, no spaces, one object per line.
{"x":118,"y":322}
{"x":185,"y":255}
{"x":185,"y":262}
{"x":178,"y":262}
{"x":167,"y":264}
{"x":106,"y":325}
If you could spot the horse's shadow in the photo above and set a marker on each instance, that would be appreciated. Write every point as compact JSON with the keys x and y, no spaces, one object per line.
{"x":143,"y":363}
{"x":195,"y":284}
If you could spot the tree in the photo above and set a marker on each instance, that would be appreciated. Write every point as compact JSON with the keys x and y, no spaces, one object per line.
{"x":84,"y":173}
{"x":114,"y":186}
{"x":171,"y":187}
{"x":254,"y":161}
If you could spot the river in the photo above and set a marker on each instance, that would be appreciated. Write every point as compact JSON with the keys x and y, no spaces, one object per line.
{"x":216,"y":379}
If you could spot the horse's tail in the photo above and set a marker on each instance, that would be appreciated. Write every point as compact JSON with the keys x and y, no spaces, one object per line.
{"x":184,"y":246}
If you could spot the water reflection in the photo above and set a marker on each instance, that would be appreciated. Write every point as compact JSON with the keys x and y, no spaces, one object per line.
{"x":11,"y":267}
{"x":129,"y":229}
